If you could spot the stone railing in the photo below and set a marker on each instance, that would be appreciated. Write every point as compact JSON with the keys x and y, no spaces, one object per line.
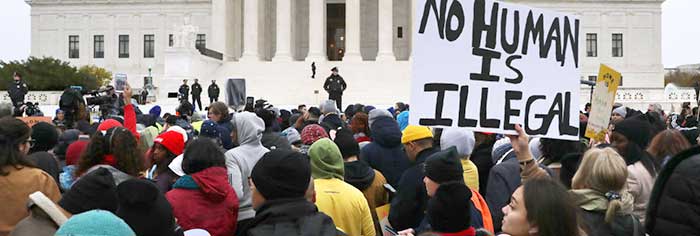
{"x":640,"y":98}
{"x":42,"y":97}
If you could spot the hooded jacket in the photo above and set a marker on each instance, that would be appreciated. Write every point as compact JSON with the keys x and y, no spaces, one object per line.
{"x":371,"y":183}
{"x":290,"y":217}
{"x":674,"y":206}
{"x":241,"y":160}
{"x":594,"y":205}
{"x":385,"y":152}
{"x":332,"y":122}
{"x":205,"y":200}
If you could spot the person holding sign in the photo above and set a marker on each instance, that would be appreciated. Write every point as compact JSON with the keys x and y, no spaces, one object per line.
{"x":335,"y":85}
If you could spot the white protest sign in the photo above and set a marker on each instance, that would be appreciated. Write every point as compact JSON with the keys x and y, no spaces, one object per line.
{"x":487,"y":65}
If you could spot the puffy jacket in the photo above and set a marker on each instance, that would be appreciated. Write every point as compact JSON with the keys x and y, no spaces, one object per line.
{"x":385,"y":152}
{"x":290,"y":217}
{"x":674,"y":206}
{"x":408,"y":206}
{"x":213,"y":91}
{"x":273,"y":140}
{"x":205,"y":200}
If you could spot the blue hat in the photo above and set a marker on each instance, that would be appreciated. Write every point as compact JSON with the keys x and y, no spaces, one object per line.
{"x":95,"y":223}
{"x":58,"y":110}
{"x":155,"y":111}
{"x":209,"y":129}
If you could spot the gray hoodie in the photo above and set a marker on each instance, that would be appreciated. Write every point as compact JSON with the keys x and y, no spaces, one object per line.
{"x":241,"y":160}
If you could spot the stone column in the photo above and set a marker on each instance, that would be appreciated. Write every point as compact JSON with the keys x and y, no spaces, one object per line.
{"x":413,"y":27}
{"x":386,"y":31}
{"x":221,"y":28}
{"x":250,"y":31}
{"x":352,"y":31}
{"x":284,"y":31}
{"x":317,"y":31}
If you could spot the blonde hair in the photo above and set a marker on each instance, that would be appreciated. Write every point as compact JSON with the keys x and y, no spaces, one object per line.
{"x":602,"y":170}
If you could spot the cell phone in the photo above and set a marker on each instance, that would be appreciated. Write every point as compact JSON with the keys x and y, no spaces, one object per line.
{"x":389,"y":188}
{"x":119,"y":83}
{"x":250,"y":101}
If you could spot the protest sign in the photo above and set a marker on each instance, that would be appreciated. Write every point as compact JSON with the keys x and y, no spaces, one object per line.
{"x":33,"y":120}
{"x":601,"y":105}
{"x":487,"y":65}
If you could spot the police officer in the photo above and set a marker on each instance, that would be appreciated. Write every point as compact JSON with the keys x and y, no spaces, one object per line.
{"x":184,"y":91}
{"x":196,"y":91}
{"x":213,"y":92}
{"x":17,"y":90}
{"x":335,"y":85}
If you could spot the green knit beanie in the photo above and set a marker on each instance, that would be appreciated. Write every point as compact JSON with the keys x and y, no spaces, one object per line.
{"x":326,"y":160}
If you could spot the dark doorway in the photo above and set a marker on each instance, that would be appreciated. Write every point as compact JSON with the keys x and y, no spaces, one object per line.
{"x":335,"y":23}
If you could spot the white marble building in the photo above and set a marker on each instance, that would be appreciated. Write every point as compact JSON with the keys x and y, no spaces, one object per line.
{"x":271,"y":43}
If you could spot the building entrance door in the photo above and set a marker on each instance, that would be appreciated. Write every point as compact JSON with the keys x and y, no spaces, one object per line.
{"x":335,"y":23}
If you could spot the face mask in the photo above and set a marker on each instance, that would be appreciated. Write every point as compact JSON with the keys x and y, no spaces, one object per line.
{"x":17,"y":81}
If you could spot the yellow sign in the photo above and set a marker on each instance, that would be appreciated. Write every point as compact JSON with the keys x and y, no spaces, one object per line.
{"x":601,"y":105}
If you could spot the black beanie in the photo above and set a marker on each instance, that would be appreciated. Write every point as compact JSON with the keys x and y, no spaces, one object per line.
{"x":635,"y":130}
{"x":346,"y":143}
{"x":45,"y":136}
{"x":95,"y":190}
{"x":145,"y":208}
{"x":444,"y":166}
{"x":282,"y":174}
{"x":449,"y":209}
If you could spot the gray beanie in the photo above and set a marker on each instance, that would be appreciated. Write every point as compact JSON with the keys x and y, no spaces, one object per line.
{"x":328,"y":106}
{"x":460,"y":138}
{"x":376,"y":113}
{"x":621,"y":110}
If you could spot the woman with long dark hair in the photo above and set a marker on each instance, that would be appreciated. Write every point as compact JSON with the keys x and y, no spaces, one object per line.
{"x":541,"y":207}
{"x":18,"y":176}
{"x":115,"y":149}
{"x":165,"y":148}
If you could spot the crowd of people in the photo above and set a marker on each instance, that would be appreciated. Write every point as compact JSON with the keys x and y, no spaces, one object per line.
{"x":322,"y":171}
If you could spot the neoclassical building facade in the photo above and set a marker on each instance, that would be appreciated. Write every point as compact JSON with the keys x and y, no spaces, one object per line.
{"x":272,"y":43}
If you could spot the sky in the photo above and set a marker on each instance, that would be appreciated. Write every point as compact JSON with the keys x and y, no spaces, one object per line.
{"x":680,"y":32}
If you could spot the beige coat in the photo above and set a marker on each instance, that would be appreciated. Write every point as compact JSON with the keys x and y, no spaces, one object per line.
{"x":14,"y":194}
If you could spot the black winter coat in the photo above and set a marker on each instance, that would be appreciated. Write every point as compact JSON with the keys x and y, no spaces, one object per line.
{"x":196,"y":90}
{"x":385,"y":153}
{"x":213,"y":91}
{"x":290,"y":217}
{"x":17,"y":92}
{"x":594,"y":225}
{"x":674,"y":205}
{"x":408,"y":206}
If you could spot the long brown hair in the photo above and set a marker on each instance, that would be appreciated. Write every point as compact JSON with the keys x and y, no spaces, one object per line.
{"x":667,"y":143}
{"x":13,"y":132}
{"x":550,"y":207}
{"x":117,"y":141}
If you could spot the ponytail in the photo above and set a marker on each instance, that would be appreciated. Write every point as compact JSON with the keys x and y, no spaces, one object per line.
{"x":614,"y":205}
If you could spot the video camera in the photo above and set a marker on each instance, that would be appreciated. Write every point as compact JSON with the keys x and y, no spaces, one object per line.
{"x":98,"y":96}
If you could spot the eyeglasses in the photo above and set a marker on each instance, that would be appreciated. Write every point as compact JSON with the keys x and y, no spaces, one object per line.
{"x":31,"y":142}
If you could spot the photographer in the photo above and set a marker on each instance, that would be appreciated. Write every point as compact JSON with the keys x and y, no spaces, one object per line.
{"x":70,"y":105}
{"x":17,"y":90}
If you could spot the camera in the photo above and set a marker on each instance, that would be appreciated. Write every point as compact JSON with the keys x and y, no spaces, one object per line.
{"x":32,"y":109}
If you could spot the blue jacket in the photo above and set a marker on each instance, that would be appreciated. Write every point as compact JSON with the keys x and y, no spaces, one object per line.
{"x":408,"y":206}
{"x":385,"y":153}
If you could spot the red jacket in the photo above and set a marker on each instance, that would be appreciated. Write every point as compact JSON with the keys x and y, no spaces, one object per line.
{"x":205,"y":200}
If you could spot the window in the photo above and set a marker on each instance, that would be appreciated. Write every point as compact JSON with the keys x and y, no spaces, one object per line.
{"x":592,"y":78}
{"x":201,"y":41}
{"x":399,"y":32}
{"x":170,"y":40}
{"x":617,"y":45}
{"x":591,"y":45}
{"x":621,"y":79}
{"x":73,"y":46}
{"x":123,"y":46}
{"x":148,"y":44}
{"x":99,"y":49}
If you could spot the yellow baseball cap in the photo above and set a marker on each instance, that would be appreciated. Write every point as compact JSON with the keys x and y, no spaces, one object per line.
{"x":415,"y":132}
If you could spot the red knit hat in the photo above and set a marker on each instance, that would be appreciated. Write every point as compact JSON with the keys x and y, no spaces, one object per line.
{"x":312,"y":133}
{"x":108,"y":124}
{"x":171,"y":140}
{"x":74,"y":151}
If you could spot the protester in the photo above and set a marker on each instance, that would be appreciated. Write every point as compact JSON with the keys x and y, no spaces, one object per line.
{"x":145,"y":209}
{"x":599,"y":190}
{"x":166,"y":147}
{"x":630,"y":138}
{"x":59,"y":119}
{"x":331,"y":118}
{"x":45,"y":138}
{"x":554,"y":150}
{"x":95,"y":190}
{"x":360,"y":128}
{"x":95,"y":222}
{"x":66,"y":138}
{"x":219,"y":134}
{"x":6,"y":109}
{"x":448,"y":210}
{"x":293,"y":138}
{"x":280,"y":181}
{"x":308,"y":118}
{"x":309,"y":135}
{"x":18,"y":176}
{"x":463,"y":140}
{"x":271,"y":138}
{"x":481,"y":157}
{"x":340,"y":200}
{"x":115,"y":149}
{"x":73,"y":153}
{"x":541,"y":206}
{"x":408,"y":206}
{"x":203,"y":198}
{"x":44,"y":217}
{"x":385,"y":153}
{"x":361,"y":176}
{"x":666,"y":145}
{"x":218,"y":112}
{"x":241,"y":160}
{"x":674,"y":208}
